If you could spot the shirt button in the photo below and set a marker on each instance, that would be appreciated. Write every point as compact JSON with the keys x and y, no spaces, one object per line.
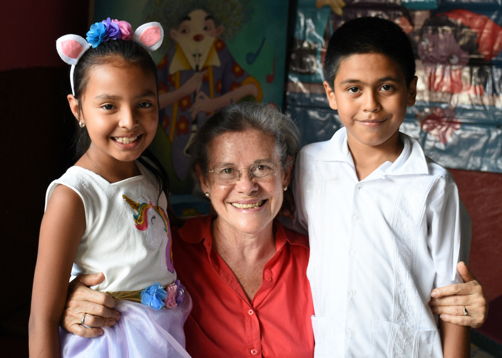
{"x":351,"y":332}
{"x":250,"y":312}
{"x":353,"y":252}
{"x":268,"y":278}
{"x":352,"y":293}
{"x":356,"y":216}
{"x":359,"y":187}
{"x":254,"y":352}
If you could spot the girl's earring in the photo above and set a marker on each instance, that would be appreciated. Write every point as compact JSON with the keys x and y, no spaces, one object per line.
{"x":206,"y":194}
{"x":81,"y":124}
{"x":285,"y":188}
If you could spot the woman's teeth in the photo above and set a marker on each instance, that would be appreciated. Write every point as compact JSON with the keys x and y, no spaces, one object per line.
{"x":126,"y":140}
{"x":248,"y":206}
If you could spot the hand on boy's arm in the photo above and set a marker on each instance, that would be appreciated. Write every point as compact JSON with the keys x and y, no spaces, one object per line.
{"x":97,"y":307}
{"x":449,"y":301}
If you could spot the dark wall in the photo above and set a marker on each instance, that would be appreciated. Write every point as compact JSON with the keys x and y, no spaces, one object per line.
{"x":36,"y":128}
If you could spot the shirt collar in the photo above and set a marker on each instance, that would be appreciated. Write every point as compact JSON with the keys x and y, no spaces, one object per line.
{"x":411,"y":161}
{"x":198,"y":229}
{"x":180,"y":62}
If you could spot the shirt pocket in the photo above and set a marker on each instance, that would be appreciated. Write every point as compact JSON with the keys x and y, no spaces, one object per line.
{"x":390,"y":340}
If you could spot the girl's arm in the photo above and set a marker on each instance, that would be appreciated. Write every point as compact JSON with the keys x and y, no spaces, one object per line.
{"x":455,"y":340}
{"x":62,"y":227}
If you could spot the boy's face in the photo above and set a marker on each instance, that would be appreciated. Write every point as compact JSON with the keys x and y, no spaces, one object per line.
{"x":371,"y":96}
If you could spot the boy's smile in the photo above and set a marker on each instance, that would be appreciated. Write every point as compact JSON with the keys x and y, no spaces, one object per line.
{"x":371,"y":96}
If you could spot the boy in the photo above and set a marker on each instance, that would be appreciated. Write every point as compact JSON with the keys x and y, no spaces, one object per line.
{"x":395,"y":214}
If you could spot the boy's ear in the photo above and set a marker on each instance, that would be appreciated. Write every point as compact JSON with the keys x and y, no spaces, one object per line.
{"x":412,"y":92}
{"x":330,"y":94}
{"x":73,"y":102}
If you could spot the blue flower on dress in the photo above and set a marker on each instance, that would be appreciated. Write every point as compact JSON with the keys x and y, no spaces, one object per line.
{"x":112,"y":30}
{"x":154,"y":296}
{"x":96,"y":34}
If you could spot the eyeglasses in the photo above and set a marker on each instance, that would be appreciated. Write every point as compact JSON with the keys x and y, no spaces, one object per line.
{"x":229,"y":175}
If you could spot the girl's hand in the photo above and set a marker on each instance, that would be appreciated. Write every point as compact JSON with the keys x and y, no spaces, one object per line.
{"x":96,"y":306}
{"x":449,"y":301}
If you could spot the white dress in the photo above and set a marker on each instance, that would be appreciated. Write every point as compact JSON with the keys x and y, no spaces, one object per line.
{"x":128,"y":238}
{"x":377,"y":249}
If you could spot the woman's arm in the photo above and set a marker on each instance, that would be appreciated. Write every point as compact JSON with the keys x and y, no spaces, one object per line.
{"x":449,"y":301}
{"x":456,"y":340}
{"x":62,"y":227}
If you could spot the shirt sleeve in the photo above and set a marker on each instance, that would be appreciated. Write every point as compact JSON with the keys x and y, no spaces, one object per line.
{"x":449,"y":231}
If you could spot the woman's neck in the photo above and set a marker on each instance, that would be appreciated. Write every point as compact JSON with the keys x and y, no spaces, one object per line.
{"x":245,"y":254}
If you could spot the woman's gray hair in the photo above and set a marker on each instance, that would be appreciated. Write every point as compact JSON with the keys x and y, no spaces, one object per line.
{"x":239,"y":118}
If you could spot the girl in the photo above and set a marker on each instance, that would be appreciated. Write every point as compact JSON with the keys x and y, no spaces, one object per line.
{"x":108,"y":212}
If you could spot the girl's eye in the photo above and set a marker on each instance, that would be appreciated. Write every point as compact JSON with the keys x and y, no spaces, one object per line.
{"x":108,"y":106}
{"x":144,"y":105}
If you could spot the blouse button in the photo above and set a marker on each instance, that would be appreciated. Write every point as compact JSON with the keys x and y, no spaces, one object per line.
{"x":254,"y":352}
{"x":250,"y":312}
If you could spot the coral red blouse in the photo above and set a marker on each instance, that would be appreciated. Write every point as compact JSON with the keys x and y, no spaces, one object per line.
{"x":223,"y":323}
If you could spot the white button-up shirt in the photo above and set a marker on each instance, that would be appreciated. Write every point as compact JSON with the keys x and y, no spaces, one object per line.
{"x":378,"y":248}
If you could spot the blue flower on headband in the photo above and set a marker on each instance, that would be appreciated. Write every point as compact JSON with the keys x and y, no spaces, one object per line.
{"x":154,"y":296}
{"x":96,"y":34}
{"x":112,"y":30}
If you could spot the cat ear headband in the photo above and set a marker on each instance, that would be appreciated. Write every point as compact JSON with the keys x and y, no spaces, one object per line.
{"x":72,"y":47}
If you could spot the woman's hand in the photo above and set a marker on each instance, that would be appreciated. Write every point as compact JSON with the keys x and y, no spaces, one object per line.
{"x":449,"y":301}
{"x":96,"y":306}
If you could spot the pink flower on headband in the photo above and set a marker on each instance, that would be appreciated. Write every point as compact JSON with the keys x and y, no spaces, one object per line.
{"x":125,"y":29}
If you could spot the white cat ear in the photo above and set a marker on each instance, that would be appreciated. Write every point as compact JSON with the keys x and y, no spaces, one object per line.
{"x":149,"y":35}
{"x":71,"y":48}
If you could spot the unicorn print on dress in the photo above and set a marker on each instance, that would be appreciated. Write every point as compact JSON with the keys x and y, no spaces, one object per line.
{"x":154,"y":220}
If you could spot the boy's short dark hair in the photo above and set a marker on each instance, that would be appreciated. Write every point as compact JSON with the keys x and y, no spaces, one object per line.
{"x":369,"y":35}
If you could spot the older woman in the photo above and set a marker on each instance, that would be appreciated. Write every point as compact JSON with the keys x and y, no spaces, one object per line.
{"x":245,"y":272}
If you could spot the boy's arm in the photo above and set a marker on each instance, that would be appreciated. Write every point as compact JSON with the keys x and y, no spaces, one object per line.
{"x":60,"y":233}
{"x":455,"y":340}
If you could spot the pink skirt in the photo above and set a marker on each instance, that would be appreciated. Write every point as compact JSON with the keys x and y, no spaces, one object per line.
{"x":142,"y":331}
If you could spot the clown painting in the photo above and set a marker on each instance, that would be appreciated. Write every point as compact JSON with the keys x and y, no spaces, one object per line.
{"x":198,"y":73}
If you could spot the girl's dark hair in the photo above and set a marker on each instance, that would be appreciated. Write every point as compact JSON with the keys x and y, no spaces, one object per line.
{"x":130,"y":52}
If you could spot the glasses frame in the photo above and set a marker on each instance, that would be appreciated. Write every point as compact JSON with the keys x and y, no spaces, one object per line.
{"x":251,"y":176}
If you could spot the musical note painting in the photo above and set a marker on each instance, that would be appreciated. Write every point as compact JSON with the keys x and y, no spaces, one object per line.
{"x":215,"y":52}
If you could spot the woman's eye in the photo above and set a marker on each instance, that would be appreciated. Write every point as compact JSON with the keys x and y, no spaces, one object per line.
{"x":144,"y":105}
{"x":227,"y":171}
{"x":262,"y":167}
{"x":108,"y":106}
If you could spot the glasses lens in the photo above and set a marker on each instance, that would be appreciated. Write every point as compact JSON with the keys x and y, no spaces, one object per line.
{"x":225,"y":175}
{"x":262,"y":170}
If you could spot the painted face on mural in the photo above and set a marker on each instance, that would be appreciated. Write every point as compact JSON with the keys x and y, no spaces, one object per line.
{"x":195,"y":36}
